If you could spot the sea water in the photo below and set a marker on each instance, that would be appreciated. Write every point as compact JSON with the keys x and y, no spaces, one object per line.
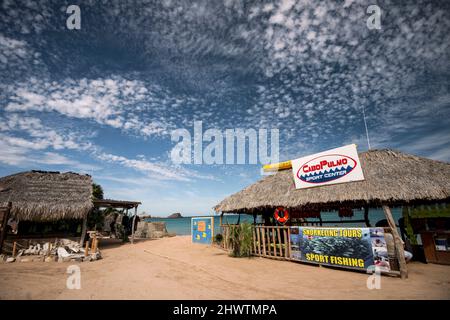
{"x":182,"y":226}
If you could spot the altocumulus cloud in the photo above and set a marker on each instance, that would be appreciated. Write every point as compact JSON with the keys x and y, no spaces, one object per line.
{"x":138,"y":69}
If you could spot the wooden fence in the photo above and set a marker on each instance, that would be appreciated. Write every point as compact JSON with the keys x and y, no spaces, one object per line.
{"x":274,"y":242}
{"x":268,"y":241}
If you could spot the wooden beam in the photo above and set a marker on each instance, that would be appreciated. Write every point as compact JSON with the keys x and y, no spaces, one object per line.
{"x":4,"y":224}
{"x":132,"y":227}
{"x":285,"y":243}
{"x":83,"y":230}
{"x":263,"y":240}
{"x":280,"y":242}
{"x":274,"y":243}
{"x":254,"y":240}
{"x":259,"y":239}
{"x":289,"y":243}
{"x":398,"y":243}
{"x":366,"y":216}
{"x":14,"y":249}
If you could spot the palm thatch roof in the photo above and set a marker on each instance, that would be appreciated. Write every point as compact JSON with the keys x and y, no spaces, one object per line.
{"x":47,"y":196}
{"x":391,"y":177}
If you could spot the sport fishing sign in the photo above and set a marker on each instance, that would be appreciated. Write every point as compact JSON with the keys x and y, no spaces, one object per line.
{"x":354,"y":248}
{"x":329,"y":167}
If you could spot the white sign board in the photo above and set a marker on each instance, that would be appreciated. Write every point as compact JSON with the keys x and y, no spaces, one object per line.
{"x":329,"y":167}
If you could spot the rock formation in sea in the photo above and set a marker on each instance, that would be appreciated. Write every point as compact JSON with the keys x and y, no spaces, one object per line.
{"x":175,"y":215}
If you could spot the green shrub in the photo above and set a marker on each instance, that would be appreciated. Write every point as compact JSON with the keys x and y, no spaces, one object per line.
{"x":218,"y":238}
{"x":241,"y":240}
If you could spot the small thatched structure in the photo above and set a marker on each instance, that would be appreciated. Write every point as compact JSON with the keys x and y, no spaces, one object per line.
{"x":391,"y":178}
{"x":47,"y":196}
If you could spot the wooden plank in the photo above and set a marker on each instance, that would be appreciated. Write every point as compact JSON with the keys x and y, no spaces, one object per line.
{"x":263,"y":241}
{"x":259,"y":240}
{"x":366,"y":216}
{"x":280,"y":242}
{"x":285,"y":243}
{"x":429,"y":247}
{"x":134,"y":222}
{"x":269,"y":249}
{"x":289,"y":242}
{"x":4,"y":222}
{"x":225,"y":231}
{"x":274,"y":243}
{"x":83,"y":231}
{"x":14,"y":249}
{"x":398,"y":243}
{"x":254,"y":240}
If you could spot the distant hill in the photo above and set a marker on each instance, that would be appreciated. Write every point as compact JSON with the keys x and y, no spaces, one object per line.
{"x":175,"y":215}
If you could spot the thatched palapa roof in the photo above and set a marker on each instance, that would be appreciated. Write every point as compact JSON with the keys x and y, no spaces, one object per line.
{"x":391,"y":177}
{"x":47,"y":196}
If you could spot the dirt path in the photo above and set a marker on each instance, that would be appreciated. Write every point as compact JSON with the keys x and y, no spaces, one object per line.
{"x":173,"y":268}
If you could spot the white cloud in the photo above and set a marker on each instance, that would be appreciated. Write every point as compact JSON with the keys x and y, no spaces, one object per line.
{"x":154,"y":170}
{"x":128,"y":105}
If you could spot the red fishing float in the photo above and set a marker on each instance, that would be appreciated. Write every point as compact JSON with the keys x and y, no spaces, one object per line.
{"x":281,"y":215}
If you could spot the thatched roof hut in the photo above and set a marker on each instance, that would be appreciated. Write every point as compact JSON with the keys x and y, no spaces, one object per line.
{"x":47,"y":196}
{"x":391,"y":178}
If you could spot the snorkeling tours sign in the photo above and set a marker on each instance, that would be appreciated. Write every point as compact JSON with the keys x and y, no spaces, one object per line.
{"x":355,"y":248}
{"x":202,"y":230}
{"x":329,"y":167}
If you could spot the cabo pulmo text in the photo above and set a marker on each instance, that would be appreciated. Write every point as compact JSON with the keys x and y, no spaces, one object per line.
{"x":213,"y":153}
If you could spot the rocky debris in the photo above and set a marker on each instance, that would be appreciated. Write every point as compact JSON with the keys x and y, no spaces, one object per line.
{"x":63,"y":250}
{"x":150,"y":230}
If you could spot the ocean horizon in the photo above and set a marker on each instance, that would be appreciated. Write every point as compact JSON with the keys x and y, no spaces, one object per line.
{"x":182,"y":226}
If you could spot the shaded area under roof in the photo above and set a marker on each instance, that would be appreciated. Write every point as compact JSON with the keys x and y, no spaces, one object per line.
{"x":391,"y":178}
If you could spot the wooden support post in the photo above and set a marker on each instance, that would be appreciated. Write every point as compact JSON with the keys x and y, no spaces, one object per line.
{"x":274,"y":242}
{"x":86,"y":249}
{"x":83,"y":230}
{"x":263,"y":240}
{"x":225,"y":238}
{"x":254,"y":240}
{"x":366,"y":216}
{"x":268,"y":242}
{"x":4,"y":222}
{"x":132,"y":227}
{"x":14,"y":249}
{"x":279,"y":242}
{"x":259,"y":240}
{"x":285,"y":243}
{"x":289,"y":242}
{"x":398,"y":242}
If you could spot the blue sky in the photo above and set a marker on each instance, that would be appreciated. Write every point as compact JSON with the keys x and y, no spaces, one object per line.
{"x":104,"y":99}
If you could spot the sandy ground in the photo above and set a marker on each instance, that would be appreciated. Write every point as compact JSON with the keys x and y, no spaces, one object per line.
{"x":173,"y":268}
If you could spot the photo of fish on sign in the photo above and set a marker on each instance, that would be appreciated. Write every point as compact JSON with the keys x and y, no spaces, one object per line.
{"x":354,"y":248}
